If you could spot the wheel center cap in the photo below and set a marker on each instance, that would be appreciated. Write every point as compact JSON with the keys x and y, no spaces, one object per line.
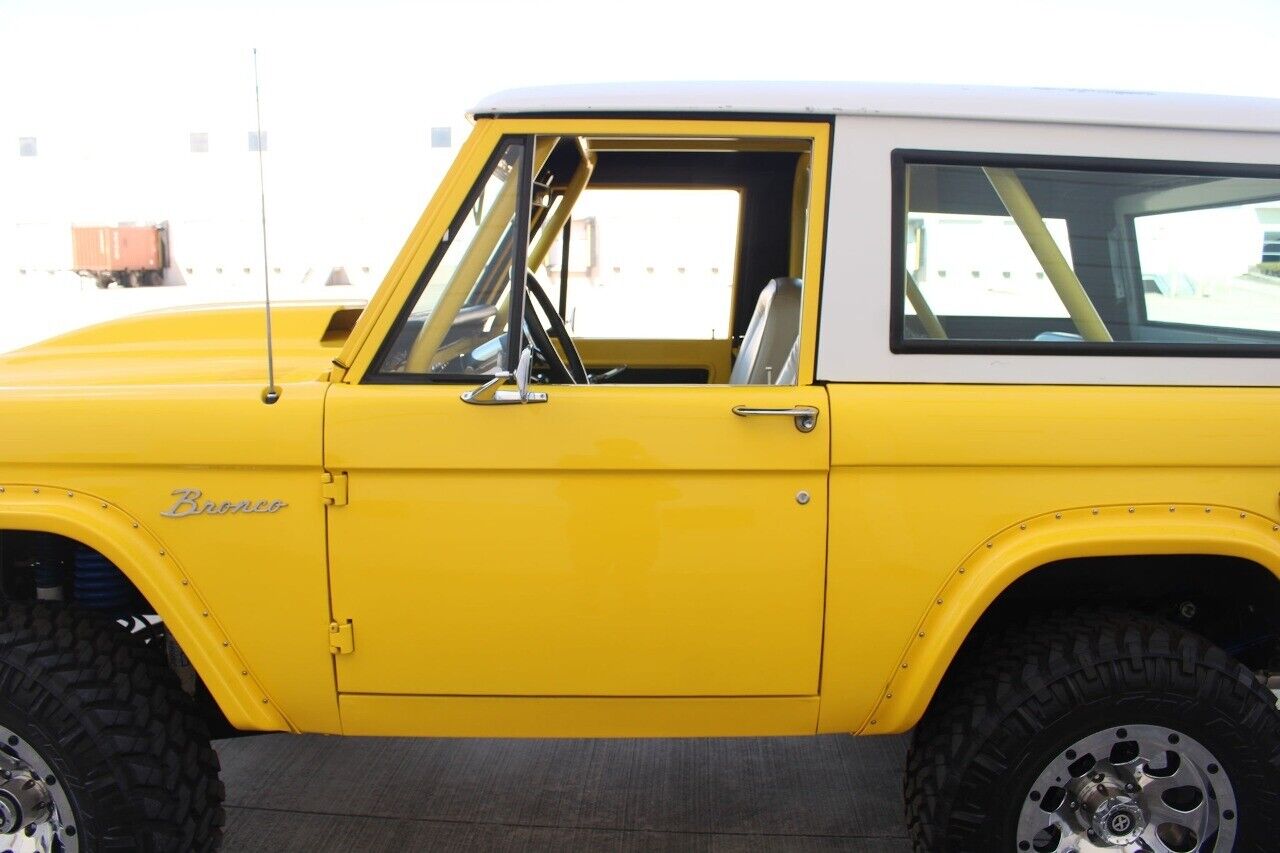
{"x":24,"y":800}
{"x":9,"y":816}
{"x":1119,"y":820}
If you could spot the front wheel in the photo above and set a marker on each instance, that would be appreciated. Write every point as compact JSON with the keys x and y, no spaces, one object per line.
{"x":1096,"y":731}
{"x":99,"y":747}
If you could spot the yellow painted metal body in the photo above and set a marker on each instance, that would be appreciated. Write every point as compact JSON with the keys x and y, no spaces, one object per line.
{"x":617,"y":561}
{"x":616,"y":541}
{"x":925,"y":476}
{"x":242,"y":593}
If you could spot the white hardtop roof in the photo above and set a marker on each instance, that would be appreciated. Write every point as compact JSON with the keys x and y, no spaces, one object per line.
{"x":992,"y":103}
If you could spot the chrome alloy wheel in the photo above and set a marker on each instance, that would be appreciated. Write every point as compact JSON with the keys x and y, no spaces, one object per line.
{"x":1142,"y":789}
{"x":35,"y":814}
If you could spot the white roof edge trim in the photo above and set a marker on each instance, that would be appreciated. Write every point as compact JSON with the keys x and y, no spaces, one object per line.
{"x":907,"y":100}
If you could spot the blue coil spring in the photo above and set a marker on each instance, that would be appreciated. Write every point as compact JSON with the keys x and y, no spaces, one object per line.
{"x":97,"y":583}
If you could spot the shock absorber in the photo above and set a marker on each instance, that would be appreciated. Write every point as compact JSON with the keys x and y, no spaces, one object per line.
{"x":48,"y":564}
{"x":97,"y":583}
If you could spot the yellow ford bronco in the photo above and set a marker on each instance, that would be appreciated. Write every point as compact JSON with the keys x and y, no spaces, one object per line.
{"x":699,"y":410}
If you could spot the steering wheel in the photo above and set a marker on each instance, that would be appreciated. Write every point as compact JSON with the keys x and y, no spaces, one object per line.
{"x":569,"y":369}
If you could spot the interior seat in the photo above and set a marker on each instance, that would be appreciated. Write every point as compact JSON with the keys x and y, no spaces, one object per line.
{"x":771,"y":335}
{"x":791,"y":367}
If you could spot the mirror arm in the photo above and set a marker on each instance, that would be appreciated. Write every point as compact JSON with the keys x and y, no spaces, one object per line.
{"x":491,"y":393}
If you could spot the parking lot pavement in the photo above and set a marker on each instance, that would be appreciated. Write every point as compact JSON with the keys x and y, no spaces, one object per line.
{"x":316,"y":793}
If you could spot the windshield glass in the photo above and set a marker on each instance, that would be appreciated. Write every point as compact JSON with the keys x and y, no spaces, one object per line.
{"x":457,"y":324}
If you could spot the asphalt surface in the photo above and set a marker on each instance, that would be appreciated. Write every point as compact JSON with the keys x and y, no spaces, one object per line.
{"x":318,"y":793}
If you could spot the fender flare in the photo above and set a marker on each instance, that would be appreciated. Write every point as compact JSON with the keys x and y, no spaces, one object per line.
{"x":995,"y":563}
{"x":159,"y":576}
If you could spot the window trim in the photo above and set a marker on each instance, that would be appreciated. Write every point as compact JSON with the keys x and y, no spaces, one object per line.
{"x":901,"y":158}
{"x":376,"y":375}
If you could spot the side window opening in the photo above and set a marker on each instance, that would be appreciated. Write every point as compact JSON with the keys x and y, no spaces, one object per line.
{"x":650,"y":263}
{"x":683,"y":264}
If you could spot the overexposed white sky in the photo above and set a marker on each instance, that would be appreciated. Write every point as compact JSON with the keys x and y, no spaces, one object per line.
{"x":470,"y":48}
{"x":351,"y":90}
{"x":371,"y":62}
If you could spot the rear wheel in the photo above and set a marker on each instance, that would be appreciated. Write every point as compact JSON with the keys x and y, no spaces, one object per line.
{"x":1086,"y":732}
{"x":99,"y":747}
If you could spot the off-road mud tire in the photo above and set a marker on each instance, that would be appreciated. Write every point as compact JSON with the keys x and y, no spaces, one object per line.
{"x":108,"y":714}
{"x":1017,"y":697}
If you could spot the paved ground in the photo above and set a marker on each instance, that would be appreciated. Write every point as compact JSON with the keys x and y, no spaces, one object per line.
{"x":380,"y":794}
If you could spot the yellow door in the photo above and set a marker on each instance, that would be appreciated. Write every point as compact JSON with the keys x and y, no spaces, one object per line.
{"x":613,"y":541}
{"x":609,"y":540}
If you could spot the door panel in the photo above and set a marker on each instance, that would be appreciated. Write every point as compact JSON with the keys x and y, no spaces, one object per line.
{"x":615,"y":541}
{"x":710,"y":356}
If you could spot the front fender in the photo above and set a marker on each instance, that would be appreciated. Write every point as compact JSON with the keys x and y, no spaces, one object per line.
{"x":995,"y":563}
{"x":159,"y":576}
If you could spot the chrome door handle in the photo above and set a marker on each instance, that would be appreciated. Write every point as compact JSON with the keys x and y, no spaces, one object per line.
{"x":806,"y":416}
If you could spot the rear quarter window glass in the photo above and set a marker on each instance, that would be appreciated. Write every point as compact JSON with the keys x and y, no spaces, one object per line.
{"x":1001,"y":257}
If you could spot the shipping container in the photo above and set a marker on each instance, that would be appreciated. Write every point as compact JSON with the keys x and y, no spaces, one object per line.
{"x":127,"y":254}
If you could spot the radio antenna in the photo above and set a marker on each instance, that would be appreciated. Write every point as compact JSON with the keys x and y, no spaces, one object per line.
{"x":271,"y":393}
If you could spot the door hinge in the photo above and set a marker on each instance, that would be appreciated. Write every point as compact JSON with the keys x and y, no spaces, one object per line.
{"x":342,"y":640}
{"x":333,"y":488}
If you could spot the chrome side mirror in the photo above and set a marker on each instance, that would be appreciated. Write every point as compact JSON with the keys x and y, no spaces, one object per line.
{"x":491,"y":393}
{"x":522,"y":374}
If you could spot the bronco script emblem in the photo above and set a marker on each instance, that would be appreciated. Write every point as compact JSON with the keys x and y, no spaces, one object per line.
{"x":190,"y":502}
